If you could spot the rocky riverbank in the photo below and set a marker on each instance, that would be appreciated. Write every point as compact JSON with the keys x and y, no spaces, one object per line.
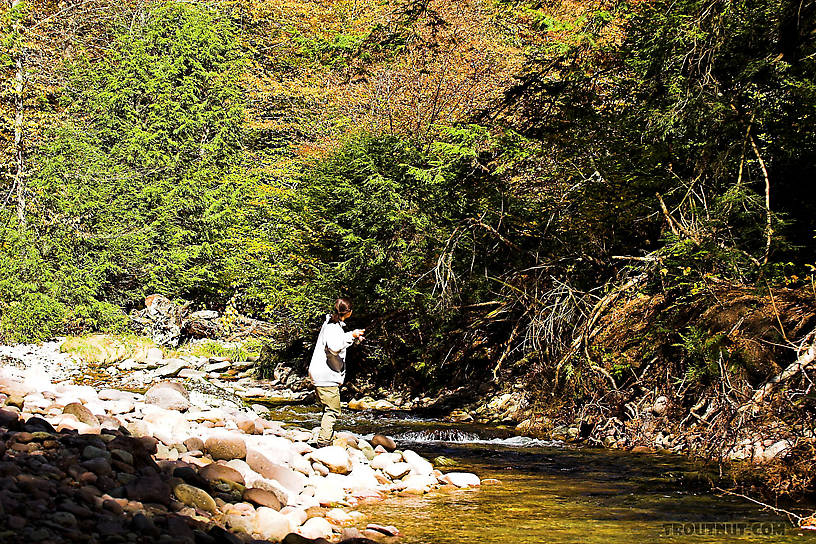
{"x":658,"y":425}
{"x":186,"y":461}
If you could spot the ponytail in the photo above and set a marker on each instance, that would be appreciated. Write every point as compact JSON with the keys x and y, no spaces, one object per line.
{"x":342,"y":306}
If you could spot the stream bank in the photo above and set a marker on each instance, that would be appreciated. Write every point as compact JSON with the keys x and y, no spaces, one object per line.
{"x":532,"y":489}
{"x":186,"y":462}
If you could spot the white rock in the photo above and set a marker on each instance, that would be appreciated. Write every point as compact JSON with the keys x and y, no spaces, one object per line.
{"x":397,"y":470}
{"x":301,"y":465}
{"x":97,"y":408}
{"x":240,"y":523}
{"x":461,"y":479}
{"x":168,"y":423}
{"x":298,"y":435}
{"x":288,"y":478}
{"x":301,"y":448}
{"x":154,"y":355}
{"x":419,"y":465}
{"x":241,"y":466}
{"x":284,"y":496}
{"x":307,"y":501}
{"x":416,"y":483}
{"x":271,"y":524}
{"x":384,"y":459}
{"x":659,"y":406}
{"x":116,"y":407}
{"x":362,"y":477}
{"x":334,"y":457}
{"x":114,"y":394}
{"x":327,"y":491}
{"x":315,"y":528}
{"x":171,"y":368}
{"x":776,"y":450}
{"x":275,"y":449}
{"x":167,"y":397}
{"x":297,"y":516}
{"x":339,"y":517}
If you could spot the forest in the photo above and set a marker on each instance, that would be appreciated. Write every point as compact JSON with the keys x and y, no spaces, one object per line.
{"x":604,"y":201}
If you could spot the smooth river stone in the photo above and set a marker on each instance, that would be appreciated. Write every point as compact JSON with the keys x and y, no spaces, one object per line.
{"x":262,"y":497}
{"x":419,"y":483}
{"x":362,"y":477}
{"x":461,"y":479}
{"x":315,"y":528}
{"x":271,"y":524}
{"x":169,"y":426}
{"x":216,"y":471}
{"x":288,"y":478}
{"x":397,"y":470}
{"x":114,"y":394}
{"x":384,"y":441}
{"x":83,"y":414}
{"x":339,"y":517}
{"x":240,"y":523}
{"x":226,"y":446}
{"x":194,"y":443}
{"x":334,"y":457}
{"x":168,"y":395}
{"x":276,"y":449}
{"x":195,"y":497}
{"x":419,"y":465}
{"x":384,"y":459}
{"x":328,"y":492}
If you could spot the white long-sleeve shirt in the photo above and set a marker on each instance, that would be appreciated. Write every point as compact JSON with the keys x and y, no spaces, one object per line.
{"x":331,"y":336}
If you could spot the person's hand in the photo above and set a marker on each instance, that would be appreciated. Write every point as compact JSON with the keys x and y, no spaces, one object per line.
{"x":357,"y":334}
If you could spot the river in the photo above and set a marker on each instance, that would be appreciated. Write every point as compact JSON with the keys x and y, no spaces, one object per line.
{"x":551,"y":492}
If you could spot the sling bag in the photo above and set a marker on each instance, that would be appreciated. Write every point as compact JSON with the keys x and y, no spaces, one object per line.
{"x":334,"y":361}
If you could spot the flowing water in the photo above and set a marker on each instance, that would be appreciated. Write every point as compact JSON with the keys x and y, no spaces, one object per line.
{"x":554,"y":493}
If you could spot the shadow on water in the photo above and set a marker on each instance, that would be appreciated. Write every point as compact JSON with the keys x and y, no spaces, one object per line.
{"x":554,"y":493}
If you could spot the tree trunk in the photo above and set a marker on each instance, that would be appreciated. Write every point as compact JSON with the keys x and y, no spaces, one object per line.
{"x":19,"y":142}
